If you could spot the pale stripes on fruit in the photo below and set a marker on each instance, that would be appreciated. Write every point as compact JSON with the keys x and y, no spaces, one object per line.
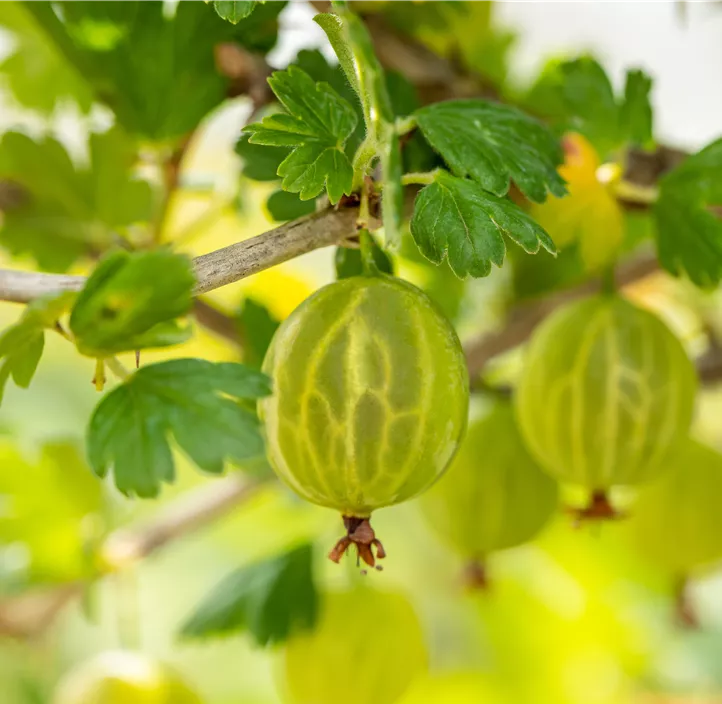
{"x":606,"y":391}
{"x":494,"y":495}
{"x":370,"y":395}
{"x":676,"y":520}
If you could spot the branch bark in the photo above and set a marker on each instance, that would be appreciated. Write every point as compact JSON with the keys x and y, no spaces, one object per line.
{"x":188,"y":513}
{"x":218,"y":268}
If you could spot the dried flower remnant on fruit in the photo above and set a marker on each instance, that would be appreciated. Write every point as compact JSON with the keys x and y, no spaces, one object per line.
{"x":359,"y":533}
{"x":599,"y":508}
{"x":370,"y":401}
{"x":606,"y":393}
{"x":476,"y":577}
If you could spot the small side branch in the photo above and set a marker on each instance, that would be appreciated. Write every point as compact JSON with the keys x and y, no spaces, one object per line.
{"x":29,"y":614}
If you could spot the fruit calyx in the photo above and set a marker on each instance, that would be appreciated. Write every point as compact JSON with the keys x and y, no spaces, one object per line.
{"x":476,"y":577}
{"x":599,"y":508}
{"x":359,"y":533}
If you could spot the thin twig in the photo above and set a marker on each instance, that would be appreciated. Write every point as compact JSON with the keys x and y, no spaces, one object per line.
{"x":29,"y":614}
{"x":217,"y":321}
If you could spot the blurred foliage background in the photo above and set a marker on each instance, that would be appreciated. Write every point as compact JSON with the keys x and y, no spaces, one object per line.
{"x":575,"y":617}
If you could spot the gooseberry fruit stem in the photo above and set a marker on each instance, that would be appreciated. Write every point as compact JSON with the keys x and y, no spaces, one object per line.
{"x":684,"y":607}
{"x":359,"y":533}
{"x":367,"y":253}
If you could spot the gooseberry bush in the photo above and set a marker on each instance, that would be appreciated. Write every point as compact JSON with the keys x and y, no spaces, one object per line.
{"x":521,"y":326}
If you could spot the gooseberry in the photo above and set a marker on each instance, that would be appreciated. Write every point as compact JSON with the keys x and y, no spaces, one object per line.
{"x":676,"y":520}
{"x":494,"y":495}
{"x":370,"y":400}
{"x":368,"y":646}
{"x":123,"y":677}
{"x":606,"y":392}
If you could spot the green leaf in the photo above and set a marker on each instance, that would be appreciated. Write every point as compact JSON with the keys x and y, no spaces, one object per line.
{"x":314,"y":63}
{"x":260,"y":163}
{"x":51,"y":500}
{"x":494,"y":144}
{"x":349,"y":263}
{"x":317,"y":126}
{"x":636,"y":110}
{"x":66,"y":211}
{"x":689,"y":230}
{"x":130,"y":302}
{"x":37,"y":74}
{"x":257,"y":329}
{"x":195,"y":401}
{"x":21,"y":345}
{"x":234,"y":10}
{"x":316,"y":113}
{"x":578,"y":96}
{"x":155,"y":69}
{"x":283,"y":205}
{"x":312,"y":167}
{"x":402,"y":93}
{"x":456,"y":219}
{"x":271,"y":600}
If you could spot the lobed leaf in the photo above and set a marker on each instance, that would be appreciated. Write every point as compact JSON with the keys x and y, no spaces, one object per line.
{"x":195,"y":401}
{"x":456,"y":219}
{"x":578,"y":96}
{"x":689,"y":228}
{"x":316,"y":128}
{"x":636,"y":110}
{"x":37,"y":74}
{"x":494,"y":144}
{"x":156,"y":70}
{"x":65,"y":211}
{"x":271,"y":600}
{"x":21,"y":345}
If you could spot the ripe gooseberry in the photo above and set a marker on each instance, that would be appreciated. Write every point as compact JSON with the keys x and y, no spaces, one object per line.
{"x":370,"y":400}
{"x":368,"y":646}
{"x":494,"y":495}
{"x":606,"y":392}
{"x":120,"y":677}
